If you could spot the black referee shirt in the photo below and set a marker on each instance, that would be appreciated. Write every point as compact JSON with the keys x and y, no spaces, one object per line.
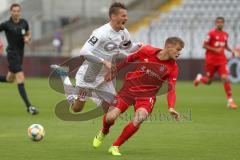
{"x":15,"y":33}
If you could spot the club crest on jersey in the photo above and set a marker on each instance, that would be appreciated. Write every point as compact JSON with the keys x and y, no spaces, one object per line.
{"x":93,"y":40}
{"x":162,"y":68}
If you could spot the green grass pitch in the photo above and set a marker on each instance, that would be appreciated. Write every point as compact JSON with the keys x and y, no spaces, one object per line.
{"x":209,"y":130}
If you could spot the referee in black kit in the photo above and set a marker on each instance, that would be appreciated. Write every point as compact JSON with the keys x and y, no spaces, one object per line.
{"x":17,"y":34}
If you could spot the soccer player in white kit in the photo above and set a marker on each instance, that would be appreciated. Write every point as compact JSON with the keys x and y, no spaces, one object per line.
{"x":105,"y":42}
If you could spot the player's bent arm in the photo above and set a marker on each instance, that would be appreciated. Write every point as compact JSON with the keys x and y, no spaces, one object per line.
{"x":28,"y":37}
{"x":130,"y":58}
{"x":91,"y":57}
{"x":234,"y":53}
{"x":89,"y":46}
{"x":94,"y":59}
{"x":229,"y":49}
{"x":208,"y":47}
{"x":119,"y":65}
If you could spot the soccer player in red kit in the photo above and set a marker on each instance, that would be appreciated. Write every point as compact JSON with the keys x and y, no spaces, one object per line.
{"x":215,"y":44}
{"x":154,"y":67}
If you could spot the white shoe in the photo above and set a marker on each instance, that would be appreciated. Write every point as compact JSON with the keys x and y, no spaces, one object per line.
{"x":32,"y":110}
{"x":197,"y":79}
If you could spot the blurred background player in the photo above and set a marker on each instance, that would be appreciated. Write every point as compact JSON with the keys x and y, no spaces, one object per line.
{"x":17,"y":34}
{"x":140,"y":88}
{"x":215,"y":44}
{"x":105,"y":42}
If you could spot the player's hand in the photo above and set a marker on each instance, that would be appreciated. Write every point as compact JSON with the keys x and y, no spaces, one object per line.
{"x":235,"y":53}
{"x":26,"y":39}
{"x":174,"y":114}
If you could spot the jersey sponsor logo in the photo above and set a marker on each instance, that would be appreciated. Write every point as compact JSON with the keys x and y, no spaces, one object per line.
{"x":152,"y":73}
{"x":127,"y":43}
{"x":93,"y":40}
{"x":111,"y":46}
{"x":219,"y":44}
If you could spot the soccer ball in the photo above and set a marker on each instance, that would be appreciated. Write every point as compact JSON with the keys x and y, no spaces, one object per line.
{"x":36,"y":132}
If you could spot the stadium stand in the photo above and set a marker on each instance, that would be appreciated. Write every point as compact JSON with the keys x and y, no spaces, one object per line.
{"x":192,"y":20}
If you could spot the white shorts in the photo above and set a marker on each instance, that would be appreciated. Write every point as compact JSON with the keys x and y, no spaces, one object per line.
{"x":99,"y":89}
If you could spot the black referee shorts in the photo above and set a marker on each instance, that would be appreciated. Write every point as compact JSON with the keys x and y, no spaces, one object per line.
{"x":15,"y":62}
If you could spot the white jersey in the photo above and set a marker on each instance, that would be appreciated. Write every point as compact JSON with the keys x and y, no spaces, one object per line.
{"x":103,"y":43}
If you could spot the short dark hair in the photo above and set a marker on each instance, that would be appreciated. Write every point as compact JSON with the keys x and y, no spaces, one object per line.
{"x":174,"y":41}
{"x":15,"y":5}
{"x":114,"y":8}
{"x":219,"y":18}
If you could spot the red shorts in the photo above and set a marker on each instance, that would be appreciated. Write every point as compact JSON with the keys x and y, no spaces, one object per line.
{"x":124,"y":102}
{"x":210,"y":69}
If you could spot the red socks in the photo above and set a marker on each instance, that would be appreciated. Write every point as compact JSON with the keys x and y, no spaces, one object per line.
{"x":227,"y":88}
{"x":106,"y":125}
{"x":127,"y":132}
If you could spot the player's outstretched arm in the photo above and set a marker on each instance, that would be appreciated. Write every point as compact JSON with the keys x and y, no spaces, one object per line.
{"x":215,"y":50}
{"x":171,"y":96}
{"x":171,"y":103}
{"x":121,"y":64}
{"x":207,"y":46}
{"x":28,"y":37}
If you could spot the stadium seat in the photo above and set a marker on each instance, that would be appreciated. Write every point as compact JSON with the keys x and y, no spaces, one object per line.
{"x":191,"y":21}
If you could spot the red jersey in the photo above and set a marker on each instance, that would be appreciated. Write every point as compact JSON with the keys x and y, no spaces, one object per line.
{"x":150,"y":74}
{"x":216,"y":39}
